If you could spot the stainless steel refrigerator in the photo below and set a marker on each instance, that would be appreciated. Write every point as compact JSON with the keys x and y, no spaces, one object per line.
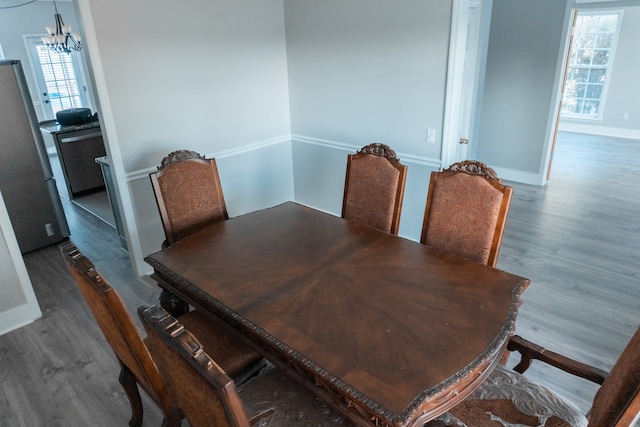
{"x":26,"y":181}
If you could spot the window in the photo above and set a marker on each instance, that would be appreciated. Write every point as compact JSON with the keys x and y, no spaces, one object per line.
{"x":590,"y":58}
{"x":59,"y":77}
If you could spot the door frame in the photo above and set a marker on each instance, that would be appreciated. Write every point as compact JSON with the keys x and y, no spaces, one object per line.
{"x":468,"y":44}
{"x":544,"y":173}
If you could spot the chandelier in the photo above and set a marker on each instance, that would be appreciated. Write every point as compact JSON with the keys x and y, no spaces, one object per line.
{"x":60,"y":38}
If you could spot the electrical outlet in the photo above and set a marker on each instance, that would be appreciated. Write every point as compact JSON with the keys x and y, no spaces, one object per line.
{"x":625,"y":116}
{"x":431,"y":136}
{"x":49,"y":229}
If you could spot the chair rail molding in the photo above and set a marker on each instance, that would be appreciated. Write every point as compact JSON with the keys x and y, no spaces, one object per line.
{"x":144,"y":173}
{"x":352,"y":148}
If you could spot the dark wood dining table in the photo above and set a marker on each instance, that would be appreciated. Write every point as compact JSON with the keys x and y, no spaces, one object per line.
{"x":387,"y":330}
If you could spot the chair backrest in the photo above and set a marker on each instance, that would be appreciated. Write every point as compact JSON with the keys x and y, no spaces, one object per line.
{"x":188,"y":192}
{"x":374,"y":188}
{"x":617,"y":401}
{"x":118,"y":327}
{"x":466,"y":211}
{"x":206,"y":395}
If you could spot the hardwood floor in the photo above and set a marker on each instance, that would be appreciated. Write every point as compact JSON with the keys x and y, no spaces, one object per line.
{"x":577,"y":239}
{"x":60,"y":371}
{"x":97,"y":202}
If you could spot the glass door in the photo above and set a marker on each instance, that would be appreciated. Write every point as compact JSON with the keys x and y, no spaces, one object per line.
{"x":59,"y":77}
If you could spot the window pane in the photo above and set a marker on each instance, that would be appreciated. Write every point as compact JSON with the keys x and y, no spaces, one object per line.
{"x":604,"y":41}
{"x":594,"y":91}
{"x":584,"y":57}
{"x":590,"y":107}
{"x":580,"y":75}
{"x":608,"y":23}
{"x":597,"y":76}
{"x":585,"y":41}
{"x":601,"y":57}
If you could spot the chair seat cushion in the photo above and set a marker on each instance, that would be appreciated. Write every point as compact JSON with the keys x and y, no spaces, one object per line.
{"x":235,"y":357}
{"x":508,"y":398}
{"x":277,"y":400}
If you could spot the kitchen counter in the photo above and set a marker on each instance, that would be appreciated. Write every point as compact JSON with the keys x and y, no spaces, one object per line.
{"x":52,"y":126}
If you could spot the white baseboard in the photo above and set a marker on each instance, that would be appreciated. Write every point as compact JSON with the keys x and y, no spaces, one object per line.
{"x":599,"y":130}
{"x":518,"y":176}
{"x":18,"y":317}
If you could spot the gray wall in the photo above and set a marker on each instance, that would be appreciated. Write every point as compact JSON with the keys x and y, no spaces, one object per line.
{"x":279,"y":91}
{"x":363,"y":71}
{"x":522,"y":66}
{"x":368,"y":70}
{"x":221,"y":82}
{"x":211,"y":77}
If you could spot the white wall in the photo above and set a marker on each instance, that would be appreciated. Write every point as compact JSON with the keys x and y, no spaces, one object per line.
{"x":210,"y":77}
{"x":18,"y":305}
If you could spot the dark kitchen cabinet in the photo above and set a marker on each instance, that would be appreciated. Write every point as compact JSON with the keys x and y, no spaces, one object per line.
{"x":72,"y":153}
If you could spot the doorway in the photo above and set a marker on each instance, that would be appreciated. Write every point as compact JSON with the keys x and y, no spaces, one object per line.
{"x":588,"y":69}
{"x":74,"y":155}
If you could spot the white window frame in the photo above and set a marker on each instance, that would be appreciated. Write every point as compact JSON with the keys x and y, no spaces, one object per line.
{"x":608,"y":68}
{"x":33,"y":40}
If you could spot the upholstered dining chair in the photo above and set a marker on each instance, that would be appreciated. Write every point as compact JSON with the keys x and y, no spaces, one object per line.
{"x":466,"y":211}
{"x":188,"y":193}
{"x":374,"y":188}
{"x":208,"y":397}
{"x":189,"y":196}
{"x":509,"y":396}
{"x":137,"y":366}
